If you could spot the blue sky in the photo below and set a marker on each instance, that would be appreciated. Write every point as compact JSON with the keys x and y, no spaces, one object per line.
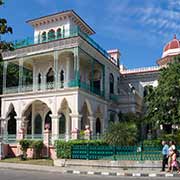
{"x":139,"y":28}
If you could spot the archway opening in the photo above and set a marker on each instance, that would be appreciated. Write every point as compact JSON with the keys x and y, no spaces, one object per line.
{"x":51,"y":35}
{"x":111,"y":84}
{"x":62,"y":78}
{"x":85,"y":114}
{"x":98,"y":126}
{"x":11,"y":128}
{"x":38,"y":124}
{"x":50,"y":78}
{"x":48,"y":121}
{"x":62,"y":124}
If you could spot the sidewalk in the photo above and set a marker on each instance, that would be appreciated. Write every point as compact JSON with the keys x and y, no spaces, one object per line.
{"x":91,"y":170}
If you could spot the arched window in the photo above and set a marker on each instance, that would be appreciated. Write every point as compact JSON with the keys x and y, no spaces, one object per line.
{"x":38,"y":124}
{"x":44,"y":37}
{"x":51,"y":35}
{"x":98,"y":126}
{"x":62,"y":78}
{"x":59,"y":33}
{"x":50,"y":78}
{"x":48,"y":121}
{"x":111,"y":84}
{"x":39,"y":81}
{"x":62,"y":124}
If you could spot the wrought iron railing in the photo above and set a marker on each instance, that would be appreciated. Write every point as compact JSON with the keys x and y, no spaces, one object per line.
{"x":137,"y":153}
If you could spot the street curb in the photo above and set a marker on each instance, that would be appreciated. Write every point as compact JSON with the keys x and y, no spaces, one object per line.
{"x":120,"y":174}
{"x":81,"y":172}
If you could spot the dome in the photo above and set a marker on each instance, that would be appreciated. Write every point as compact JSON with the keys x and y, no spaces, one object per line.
{"x":174,"y":44}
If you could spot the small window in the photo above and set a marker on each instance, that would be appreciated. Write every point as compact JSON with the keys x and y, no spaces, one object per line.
{"x":51,"y":35}
{"x":44,"y":37}
{"x":59,"y":33}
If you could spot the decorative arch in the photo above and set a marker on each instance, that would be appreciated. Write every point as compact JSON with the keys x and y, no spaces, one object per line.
{"x":64,"y":118}
{"x":111,"y":83}
{"x":31,"y":102}
{"x":86,"y":111}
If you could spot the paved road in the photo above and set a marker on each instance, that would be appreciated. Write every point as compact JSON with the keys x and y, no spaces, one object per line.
{"x":9,"y":174}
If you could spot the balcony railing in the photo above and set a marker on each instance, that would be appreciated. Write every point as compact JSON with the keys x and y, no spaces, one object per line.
{"x":73,"y":32}
{"x":51,"y":86}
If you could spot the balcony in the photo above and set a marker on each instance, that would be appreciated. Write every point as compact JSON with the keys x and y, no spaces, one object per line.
{"x":73,"y":32}
{"x":51,"y":86}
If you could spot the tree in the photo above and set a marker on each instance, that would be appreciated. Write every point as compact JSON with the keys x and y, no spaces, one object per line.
{"x":4,"y":28}
{"x":163,"y":102}
{"x":4,"y":46}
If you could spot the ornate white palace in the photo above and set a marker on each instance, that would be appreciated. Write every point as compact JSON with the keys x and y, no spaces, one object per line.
{"x":65,"y":81}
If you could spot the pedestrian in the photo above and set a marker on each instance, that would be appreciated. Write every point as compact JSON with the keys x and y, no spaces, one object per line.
{"x":165,"y":155}
{"x":171,"y":149}
{"x":174,"y":163}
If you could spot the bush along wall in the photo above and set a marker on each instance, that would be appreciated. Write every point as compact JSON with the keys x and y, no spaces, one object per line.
{"x":36,"y":145}
{"x":63,"y":148}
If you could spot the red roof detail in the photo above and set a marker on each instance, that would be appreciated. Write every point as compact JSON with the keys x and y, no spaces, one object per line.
{"x":172,"y":44}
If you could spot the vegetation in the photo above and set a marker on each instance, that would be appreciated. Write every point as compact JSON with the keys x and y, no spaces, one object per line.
{"x":63,"y":148}
{"x":121,"y":133}
{"x":37,"y":146}
{"x":163,"y":102}
{"x":24,"y":146}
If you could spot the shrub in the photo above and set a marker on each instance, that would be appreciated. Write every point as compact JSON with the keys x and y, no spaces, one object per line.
{"x":24,"y":146}
{"x":37,"y":145}
{"x":152,"y":142}
{"x":121,"y":133}
{"x":63,"y":148}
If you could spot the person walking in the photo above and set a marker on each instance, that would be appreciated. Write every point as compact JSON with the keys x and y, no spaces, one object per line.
{"x":165,"y":155}
{"x":172,"y":147}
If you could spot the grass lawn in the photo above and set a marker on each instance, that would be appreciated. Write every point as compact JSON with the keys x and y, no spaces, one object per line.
{"x":46,"y":162}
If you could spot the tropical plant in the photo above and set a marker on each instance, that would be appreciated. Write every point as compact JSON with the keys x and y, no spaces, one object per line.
{"x":121,"y":133}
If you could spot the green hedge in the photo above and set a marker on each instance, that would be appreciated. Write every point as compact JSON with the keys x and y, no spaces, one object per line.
{"x":63,"y":148}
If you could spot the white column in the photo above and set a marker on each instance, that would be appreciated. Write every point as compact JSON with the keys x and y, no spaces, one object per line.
{"x":67,"y":69}
{"x":55,"y":127}
{"x":4,"y":75}
{"x":67,"y":127}
{"x":56,"y":69}
{"x":76,"y":121}
{"x":19,"y":127}
{"x":34,"y":77}
{"x":92,"y":124}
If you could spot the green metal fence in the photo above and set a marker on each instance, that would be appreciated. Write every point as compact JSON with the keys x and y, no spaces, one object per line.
{"x":138,"y":153}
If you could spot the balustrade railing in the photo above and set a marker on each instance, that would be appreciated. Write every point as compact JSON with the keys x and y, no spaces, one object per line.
{"x":51,"y":86}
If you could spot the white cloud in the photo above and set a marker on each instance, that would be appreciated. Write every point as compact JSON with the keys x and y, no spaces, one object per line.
{"x":145,"y":21}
